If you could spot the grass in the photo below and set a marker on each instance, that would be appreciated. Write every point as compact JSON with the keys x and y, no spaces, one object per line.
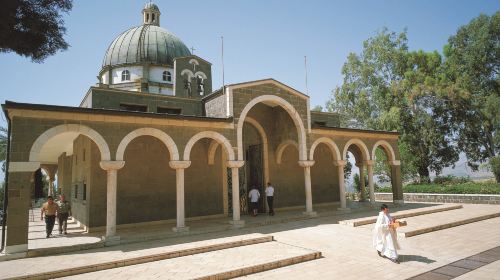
{"x":459,"y":188}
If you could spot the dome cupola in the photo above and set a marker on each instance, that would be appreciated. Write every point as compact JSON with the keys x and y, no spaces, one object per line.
{"x":151,"y":14}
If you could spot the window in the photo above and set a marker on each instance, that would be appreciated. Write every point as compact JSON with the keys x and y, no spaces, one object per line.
{"x":84,"y":194}
{"x":167,"y":76}
{"x":153,"y":17}
{"x":134,"y":107}
{"x":170,"y":111}
{"x":201,"y":85}
{"x":76,"y":191}
{"x":147,"y":17}
{"x":125,"y":75}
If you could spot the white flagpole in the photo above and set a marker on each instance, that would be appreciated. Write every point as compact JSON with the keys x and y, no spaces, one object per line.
{"x":222,"y":45}
{"x":305,"y":66}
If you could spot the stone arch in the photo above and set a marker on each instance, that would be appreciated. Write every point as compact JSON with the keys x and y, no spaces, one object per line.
{"x":148,"y":131}
{"x":37,"y":146}
{"x":330,"y":143}
{"x":201,"y":74}
{"x":391,"y":156}
{"x":301,"y":132}
{"x":188,"y":73}
{"x":281,"y":149}
{"x":211,"y":151}
{"x":361,"y":145}
{"x":212,"y":135}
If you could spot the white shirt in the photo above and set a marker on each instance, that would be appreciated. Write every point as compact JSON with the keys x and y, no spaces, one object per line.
{"x":269,"y":191}
{"x":254,"y":195}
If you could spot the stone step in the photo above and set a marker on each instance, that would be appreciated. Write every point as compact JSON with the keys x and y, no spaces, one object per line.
{"x":439,"y":221}
{"x":222,"y":264}
{"x":402,"y":214}
{"x":88,"y":261}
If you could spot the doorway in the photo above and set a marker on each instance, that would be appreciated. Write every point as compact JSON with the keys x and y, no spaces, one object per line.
{"x":255,"y":174}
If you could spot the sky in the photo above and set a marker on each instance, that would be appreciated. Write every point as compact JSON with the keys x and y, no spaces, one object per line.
{"x":262,"y":39}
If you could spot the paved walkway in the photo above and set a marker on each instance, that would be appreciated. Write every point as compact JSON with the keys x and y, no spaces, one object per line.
{"x":77,"y":236}
{"x":347,"y":251}
{"x":487,"y":272}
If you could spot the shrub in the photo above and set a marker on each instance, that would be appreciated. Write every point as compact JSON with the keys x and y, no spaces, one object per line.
{"x":450,"y":179}
{"x":459,"y":188}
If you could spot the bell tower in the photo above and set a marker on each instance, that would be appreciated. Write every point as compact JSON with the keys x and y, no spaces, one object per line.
{"x":151,"y":14}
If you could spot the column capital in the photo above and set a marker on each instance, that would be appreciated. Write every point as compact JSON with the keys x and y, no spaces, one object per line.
{"x":235,"y":163}
{"x":369,"y":162}
{"x":112,"y":165}
{"x":394,"y":162}
{"x":306,"y":163}
{"x":340,"y":162}
{"x":179,"y":164}
{"x":28,"y":166}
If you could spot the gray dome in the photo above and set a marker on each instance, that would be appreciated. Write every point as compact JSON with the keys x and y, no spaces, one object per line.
{"x":151,"y":6}
{"x":145,"y":43}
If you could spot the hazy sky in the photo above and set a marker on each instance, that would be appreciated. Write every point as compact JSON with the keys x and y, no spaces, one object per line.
{"x":262,"y":39}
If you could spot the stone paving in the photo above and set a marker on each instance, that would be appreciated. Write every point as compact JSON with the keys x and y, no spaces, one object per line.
{"x":347,"y":251}
{"x":487,"y":272}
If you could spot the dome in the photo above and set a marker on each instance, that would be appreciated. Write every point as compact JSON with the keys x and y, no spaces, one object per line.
{"x":145,"y":43}
{"x":151,"y":6}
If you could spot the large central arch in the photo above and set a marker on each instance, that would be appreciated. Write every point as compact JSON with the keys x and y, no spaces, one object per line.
{"x":301,"y":132}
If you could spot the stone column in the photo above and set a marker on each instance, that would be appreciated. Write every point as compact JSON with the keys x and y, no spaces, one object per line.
{"x":397,"y":184}
{"x":369,"y":167}
{"x":179,"y":167}
{"x":51,"y":170}
{"x":361,"y":181}
{"x":235,"y":165}
{"x":19,"y":199}
{"x":111,"y":168}
{"x":306,"y":164}
{"x":340,"y":165}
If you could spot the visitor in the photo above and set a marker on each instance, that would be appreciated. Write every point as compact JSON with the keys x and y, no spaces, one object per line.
{"x":270,"y":198}
{"x":49,"y":208}
{"x":63,"y":214}
{"x":384,"y":235}
{"x":254,"y":196}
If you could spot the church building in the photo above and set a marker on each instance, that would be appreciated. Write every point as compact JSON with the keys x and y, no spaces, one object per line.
{"x":153,"y":143}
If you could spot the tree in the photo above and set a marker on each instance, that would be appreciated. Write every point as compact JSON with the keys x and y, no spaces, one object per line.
{"x":3,"y":146}
{"x":33,"y":28}
{"x":387,"y":87}
{"x":472,"y":64}
{"x":317,"y":108}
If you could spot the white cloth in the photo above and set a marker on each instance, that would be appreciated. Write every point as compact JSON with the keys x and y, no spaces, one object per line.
{"x":384,"y":237}
{"x":254,"y":195}
{"x":269,"y":191}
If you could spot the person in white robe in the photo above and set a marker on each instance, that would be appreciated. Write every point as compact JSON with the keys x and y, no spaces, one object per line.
{"x":384,"y":235}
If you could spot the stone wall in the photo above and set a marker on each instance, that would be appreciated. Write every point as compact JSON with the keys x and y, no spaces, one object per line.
{"x":444,"y":198}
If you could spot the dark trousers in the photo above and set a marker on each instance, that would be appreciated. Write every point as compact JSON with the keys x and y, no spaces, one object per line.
{"x":62,"y":220}
{"x":270,"y":202}
{"x":49,"y":223}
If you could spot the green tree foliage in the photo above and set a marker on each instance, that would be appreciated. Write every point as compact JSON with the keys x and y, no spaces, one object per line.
{"x":387,"y":87}
{"x":33,"y":28}
{"x":472,"y":65}
{"x":3,"y":146}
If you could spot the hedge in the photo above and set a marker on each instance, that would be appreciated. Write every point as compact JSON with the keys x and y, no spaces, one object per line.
{"x":462,"y":188}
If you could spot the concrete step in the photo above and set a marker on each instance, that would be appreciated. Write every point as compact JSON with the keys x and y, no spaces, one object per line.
{"x":443,"y":220}
{"x":222,"y":264}
{"x":402,"y":214}
{"x":88,"y":261}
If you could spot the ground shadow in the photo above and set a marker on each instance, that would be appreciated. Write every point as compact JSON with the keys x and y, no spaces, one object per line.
{"x":415,"y":258}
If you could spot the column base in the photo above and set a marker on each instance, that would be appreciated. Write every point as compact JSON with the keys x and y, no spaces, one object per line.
{"x":344,"y":209}
{"x":180,"y":229}
{"x":310,"y":213}
{"x":111,"y":240}
{"x":237,"y":224}
{"x":15,"y":249}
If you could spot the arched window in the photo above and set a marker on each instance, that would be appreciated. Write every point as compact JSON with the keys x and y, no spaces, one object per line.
{"x":201,"y":87}
{"x":125,"y":75}
{"x":167,"y":76}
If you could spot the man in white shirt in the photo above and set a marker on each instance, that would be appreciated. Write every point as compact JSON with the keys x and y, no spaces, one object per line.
{"x":270,"y":198}
{"x":254,"y":196}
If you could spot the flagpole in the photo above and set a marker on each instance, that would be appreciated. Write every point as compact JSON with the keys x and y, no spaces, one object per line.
{"x":305,"y":67}
{"x":222,"y":48}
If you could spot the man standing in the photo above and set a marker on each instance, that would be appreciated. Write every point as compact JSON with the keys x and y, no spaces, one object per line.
{"x":270,"y":198}
{"x":49,"y":208}
{"x":63,"y":214}
{"x":254,"y":196}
